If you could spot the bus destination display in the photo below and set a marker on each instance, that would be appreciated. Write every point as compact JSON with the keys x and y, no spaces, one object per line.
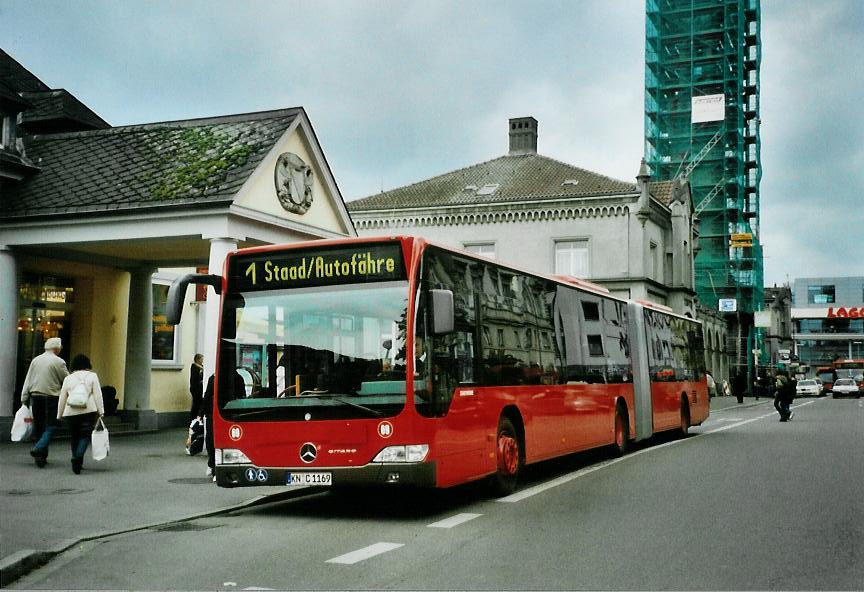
{"x":305,"y":268}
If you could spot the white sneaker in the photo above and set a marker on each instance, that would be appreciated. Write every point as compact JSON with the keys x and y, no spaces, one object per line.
{"x":210,"y":473}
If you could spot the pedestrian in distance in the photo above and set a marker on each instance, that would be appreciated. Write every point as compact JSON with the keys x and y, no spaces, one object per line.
{"x":784,"y":394}
{"x":196,"y":386}
{"x":80,"y":405}
{"x":40,"y":392}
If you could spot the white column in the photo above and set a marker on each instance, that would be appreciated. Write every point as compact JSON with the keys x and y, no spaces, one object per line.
{"x":139,"y":341}
{"x":219,"y":249}
{"x":8,"y":330}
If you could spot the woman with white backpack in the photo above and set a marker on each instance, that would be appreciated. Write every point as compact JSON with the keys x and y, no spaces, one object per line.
{"x":81,"y":405}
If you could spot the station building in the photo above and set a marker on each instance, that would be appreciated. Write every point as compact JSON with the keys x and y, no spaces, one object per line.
{"x":96,"y":221}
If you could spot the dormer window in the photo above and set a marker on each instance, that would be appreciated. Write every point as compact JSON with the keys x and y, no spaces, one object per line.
{"x":7,"y":136}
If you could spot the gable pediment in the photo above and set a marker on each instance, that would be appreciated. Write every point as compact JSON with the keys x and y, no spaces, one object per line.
{"x":294,"y":183}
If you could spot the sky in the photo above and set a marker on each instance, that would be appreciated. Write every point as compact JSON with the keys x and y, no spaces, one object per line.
{"x":399,"y":91}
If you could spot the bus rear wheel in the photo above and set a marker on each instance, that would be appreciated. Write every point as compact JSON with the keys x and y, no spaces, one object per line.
{"x":508,"y":456}
{"x":622,"y":434}
{"x":685,"y":418}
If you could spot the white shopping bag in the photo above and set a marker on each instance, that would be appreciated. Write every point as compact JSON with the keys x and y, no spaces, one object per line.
{"x":22,"y":425}
{"x":99,"y":440}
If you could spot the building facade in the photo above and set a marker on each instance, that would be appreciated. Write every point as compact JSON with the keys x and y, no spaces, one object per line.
{"x":95,"y":222}
{"x":636,"y":239}
{"x":828,"y":319}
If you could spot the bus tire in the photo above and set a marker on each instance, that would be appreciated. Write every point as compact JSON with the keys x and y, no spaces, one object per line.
{"x":622,"y":433}
{"x":685,"y":417}
{"x":508,"y":458}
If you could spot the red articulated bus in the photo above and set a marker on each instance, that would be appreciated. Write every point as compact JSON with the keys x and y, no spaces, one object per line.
{"x":399,"y":361}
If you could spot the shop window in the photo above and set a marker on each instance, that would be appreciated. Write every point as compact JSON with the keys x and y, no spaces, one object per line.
{"x":166,"y":348}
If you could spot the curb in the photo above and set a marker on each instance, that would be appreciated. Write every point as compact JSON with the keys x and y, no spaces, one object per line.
{"x":21,"y":563}
{"x":742,"y":406}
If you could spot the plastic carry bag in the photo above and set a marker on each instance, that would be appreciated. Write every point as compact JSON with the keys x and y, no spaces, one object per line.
{"x":99,"y":440}
{"x":22,"y":425}
{"x":195,"y":439}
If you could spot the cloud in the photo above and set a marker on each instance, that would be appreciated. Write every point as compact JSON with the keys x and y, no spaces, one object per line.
{"x":401,"y":91}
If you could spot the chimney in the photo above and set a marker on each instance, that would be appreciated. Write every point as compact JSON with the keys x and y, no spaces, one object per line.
{"x":523,"y":136}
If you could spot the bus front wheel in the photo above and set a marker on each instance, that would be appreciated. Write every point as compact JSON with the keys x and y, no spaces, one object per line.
{"x":508,"y":455}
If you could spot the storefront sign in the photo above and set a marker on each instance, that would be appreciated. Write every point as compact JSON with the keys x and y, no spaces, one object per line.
{"x":844,"y":312}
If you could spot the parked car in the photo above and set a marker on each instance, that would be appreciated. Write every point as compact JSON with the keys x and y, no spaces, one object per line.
{"x":808,"y":388}
{"x":845,"y":387}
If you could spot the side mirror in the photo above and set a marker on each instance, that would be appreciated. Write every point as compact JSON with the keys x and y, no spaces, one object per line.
{"x":177,"y":293}
{"x":441,"y":307}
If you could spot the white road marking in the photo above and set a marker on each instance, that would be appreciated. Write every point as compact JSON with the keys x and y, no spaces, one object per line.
{"x":365,"y":553}
{"x":454,"y":520}
{"x":532,"y":491}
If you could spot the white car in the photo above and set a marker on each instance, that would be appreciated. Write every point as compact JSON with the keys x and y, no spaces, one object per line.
{"x":808,"y":388}
{"x":845,"y":387}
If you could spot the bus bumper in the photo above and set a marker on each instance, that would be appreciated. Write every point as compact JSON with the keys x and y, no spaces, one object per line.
{"x":378,"y":474}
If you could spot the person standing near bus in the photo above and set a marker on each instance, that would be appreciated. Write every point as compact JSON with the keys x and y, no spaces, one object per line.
{"x":196,"y":385}
{"x":40,"y":392}
{"x":81,"y":420}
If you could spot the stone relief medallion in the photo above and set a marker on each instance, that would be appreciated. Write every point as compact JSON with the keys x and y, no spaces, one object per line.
{"x":293,"y":179}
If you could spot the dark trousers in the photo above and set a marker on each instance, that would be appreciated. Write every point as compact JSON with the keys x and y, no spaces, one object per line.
{"x":195,"y":411}
{"x":80,"y":429}
{"x":45,"y":422}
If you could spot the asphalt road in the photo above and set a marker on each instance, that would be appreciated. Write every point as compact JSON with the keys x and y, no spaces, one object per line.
{"x":744,"y":502}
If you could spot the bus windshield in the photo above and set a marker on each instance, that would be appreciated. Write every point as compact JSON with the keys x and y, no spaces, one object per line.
{"x":326,"y":352}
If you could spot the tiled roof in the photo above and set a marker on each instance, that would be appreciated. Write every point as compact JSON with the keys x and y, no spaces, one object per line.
{"x":59,"y":104}
{"x":8,"y":95}
{"x":17,"y":76}
{"x":518,"y":178}
{"x":191,"y":162}
{"x":662,"y":191}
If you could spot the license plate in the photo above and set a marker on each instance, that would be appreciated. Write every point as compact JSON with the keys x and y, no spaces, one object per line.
{"x":317,"y":479}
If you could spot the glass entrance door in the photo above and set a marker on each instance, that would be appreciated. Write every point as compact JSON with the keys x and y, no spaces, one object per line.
{"x":45,"y":307}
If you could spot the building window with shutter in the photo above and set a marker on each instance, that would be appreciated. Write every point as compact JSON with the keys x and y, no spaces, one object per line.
{"x":482,"y":249}
{"x":571,"y":258}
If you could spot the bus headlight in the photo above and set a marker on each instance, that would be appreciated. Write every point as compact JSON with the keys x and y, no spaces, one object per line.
{"x":231,"y":456}
{"x":413,"y":453}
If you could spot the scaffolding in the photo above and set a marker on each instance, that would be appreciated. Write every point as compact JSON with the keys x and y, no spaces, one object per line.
{"x":699,"y":49}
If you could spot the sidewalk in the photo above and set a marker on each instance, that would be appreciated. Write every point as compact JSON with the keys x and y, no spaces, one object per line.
{"x":147,"y":480}
{"x":723,"y":403}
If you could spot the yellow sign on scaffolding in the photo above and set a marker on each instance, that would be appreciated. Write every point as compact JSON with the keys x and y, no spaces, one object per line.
{"x":743,"y":239}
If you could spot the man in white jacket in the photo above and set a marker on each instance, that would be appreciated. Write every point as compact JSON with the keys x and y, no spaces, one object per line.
{"x":40,"y":392}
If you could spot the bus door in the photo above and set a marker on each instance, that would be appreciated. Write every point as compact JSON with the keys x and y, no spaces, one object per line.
{"x":642,"y":403}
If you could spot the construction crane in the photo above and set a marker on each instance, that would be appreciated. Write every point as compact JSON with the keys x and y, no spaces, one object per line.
{"x":685,"y":174}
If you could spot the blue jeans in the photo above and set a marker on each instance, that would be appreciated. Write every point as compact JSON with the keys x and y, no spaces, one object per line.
{"x":45,"y":421}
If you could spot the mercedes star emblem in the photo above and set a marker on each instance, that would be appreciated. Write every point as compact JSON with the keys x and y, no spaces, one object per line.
{"x":308,"y":452}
